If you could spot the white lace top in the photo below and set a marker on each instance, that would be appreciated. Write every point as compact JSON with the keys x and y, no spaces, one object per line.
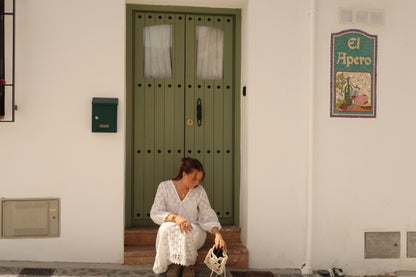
{"x":194,"y":207}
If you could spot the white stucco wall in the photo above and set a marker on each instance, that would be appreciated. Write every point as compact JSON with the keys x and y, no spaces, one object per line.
{"x":71,"y":51}
{"x":66,"y":53}
{"x":364,"y":167}
{"x":277,"y":85}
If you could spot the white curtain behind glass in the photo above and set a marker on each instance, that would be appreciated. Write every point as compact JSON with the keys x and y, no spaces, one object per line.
{"x":158,"y":51}
{"x":210,"y":51}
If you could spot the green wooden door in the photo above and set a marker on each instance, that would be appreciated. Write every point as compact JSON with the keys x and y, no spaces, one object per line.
{"x":178,"y":109}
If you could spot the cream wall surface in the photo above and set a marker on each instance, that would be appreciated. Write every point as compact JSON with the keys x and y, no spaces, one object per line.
{"x":66,"y":53}
{"x":277,"y":85}
{"x":70,"y":51}
{"x":364,"y":167}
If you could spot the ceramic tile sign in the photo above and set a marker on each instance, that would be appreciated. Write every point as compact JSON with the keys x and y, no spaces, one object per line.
{"x":353,"y":74}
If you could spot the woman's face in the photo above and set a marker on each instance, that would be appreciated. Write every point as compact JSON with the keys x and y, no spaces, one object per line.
{"x":192,"y":179}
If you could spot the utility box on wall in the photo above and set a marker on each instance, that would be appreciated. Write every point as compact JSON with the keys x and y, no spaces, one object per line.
{"x":104,"y":115}
{"x":30,"y":218}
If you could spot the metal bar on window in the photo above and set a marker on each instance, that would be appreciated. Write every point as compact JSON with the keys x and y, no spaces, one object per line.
{"x":7,"y":61}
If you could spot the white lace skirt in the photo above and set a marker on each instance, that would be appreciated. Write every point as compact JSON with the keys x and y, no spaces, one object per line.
{"x":172,"y":246}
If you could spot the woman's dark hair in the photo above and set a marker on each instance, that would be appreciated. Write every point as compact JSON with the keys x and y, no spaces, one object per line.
{"x":188,"y":165}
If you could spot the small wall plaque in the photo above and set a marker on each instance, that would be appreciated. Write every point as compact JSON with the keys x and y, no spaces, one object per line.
{"x":353,"y":74}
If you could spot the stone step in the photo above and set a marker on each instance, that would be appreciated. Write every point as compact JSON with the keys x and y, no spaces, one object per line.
{"x":145,"y":255}
{"x":140,"y":236}
{"x":140,"y":246}
{"x":146,"y":236}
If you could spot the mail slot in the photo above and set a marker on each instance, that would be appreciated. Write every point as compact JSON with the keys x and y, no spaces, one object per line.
{"x":104,"y":115}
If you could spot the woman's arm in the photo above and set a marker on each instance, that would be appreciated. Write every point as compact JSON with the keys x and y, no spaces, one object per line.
{"x":207,"y":218}
{"x":219,"y":241}
{"x":158,"y":212}
{"x":171,"y":218}
{"x":184,"y":225}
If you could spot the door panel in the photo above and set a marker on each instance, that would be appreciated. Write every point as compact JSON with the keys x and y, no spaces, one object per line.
{"x":165,"y":125}
{"x":209,"y":141}
{"x":158,"y":117}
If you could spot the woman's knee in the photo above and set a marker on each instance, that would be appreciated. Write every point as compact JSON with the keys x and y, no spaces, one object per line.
{"x":167,"y":226}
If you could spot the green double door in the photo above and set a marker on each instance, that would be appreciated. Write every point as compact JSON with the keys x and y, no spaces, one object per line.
{"x":183,"y":102}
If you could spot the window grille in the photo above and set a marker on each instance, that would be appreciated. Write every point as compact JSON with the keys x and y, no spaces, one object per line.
{"x":7,"y":64}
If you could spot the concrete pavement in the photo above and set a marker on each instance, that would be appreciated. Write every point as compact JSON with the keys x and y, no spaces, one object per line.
{"x":15,"y":268}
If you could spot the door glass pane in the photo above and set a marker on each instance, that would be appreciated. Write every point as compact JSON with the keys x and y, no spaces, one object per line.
{"x":210,"y":51}
{"x":157,"y":42}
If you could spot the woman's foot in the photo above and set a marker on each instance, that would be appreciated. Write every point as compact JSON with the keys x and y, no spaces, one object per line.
{"x":188,"y":271}
{"x":174,"y":271}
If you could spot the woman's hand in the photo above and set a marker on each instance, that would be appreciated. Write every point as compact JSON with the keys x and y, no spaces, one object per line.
{"x":219,"y":241}
{"x":184,"y":224}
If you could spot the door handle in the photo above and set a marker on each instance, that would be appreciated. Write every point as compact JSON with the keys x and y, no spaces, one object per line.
{"x":199,"y":111}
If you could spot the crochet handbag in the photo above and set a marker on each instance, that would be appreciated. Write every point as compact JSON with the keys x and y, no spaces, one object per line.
{"x":216,"y":260}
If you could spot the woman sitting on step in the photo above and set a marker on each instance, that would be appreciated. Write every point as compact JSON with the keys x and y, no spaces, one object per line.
{"x":182,"y":210}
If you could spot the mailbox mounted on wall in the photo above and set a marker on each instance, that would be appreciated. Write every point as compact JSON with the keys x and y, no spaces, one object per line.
{"x":104,"y":115}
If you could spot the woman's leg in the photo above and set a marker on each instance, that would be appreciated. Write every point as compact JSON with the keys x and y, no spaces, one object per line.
{"x":172,"y":246}
{"x":162,"y":247}
{"x":193,"y":242}
{"x":199,"y":240}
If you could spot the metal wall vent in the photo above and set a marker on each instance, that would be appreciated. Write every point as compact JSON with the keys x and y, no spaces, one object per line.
{"x":382,"y":245}
{"x":411,"y":244}
{"x":361,"y":16}
{"x":345,"y":15}
{"x":377,"y":17}
{"x":30,"y":217}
